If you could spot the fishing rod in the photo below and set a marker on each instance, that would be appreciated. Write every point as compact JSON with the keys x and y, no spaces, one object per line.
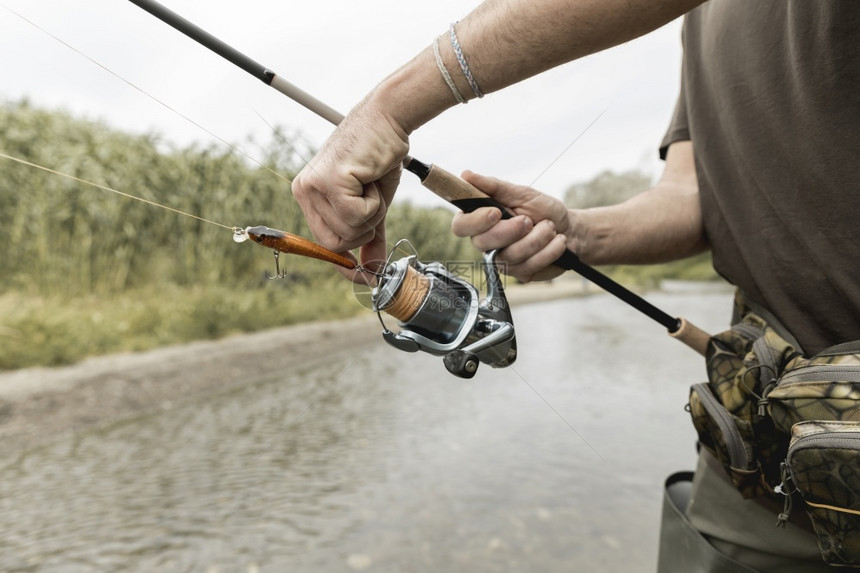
{"x":453,"y":189}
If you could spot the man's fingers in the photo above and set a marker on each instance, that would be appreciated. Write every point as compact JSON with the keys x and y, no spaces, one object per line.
{"x":474,"y":223}
{"x":339,"y":221}
{"x":374,"y":252}
{"x":532,"y":244}
{"x":503,"y":234}
{"x":489,"y":185}
{"x":487,"y":230}
{"x":540,"y":265}
{"x":506,"y":193}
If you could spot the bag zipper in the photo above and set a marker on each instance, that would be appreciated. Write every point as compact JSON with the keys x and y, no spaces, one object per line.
{"x":820,"y":373}
{"x":784,"y":488}
{"x":824,"y":438}
{"x":814,"y":373}
{"x":734,"y":443}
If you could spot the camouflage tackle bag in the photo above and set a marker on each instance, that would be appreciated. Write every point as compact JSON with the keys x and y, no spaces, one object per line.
{"x":785,"y":424}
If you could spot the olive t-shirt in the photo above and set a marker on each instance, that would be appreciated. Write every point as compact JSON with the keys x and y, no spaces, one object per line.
{"x":770,"y":98}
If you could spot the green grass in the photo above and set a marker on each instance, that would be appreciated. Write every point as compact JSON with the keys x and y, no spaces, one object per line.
{"x":57,"y":330}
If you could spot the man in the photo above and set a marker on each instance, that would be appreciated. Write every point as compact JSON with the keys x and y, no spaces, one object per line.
{"x":762,"y":166}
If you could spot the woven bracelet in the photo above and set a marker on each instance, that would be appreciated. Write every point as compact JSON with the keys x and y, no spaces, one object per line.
{"x":441,"y":65}
{"x":463,"y":65}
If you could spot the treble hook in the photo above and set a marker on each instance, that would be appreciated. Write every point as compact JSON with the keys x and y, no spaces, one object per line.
{"x":278,"y":273}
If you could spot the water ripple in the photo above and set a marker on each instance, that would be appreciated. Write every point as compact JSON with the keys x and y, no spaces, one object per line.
{"x":375,"y":461}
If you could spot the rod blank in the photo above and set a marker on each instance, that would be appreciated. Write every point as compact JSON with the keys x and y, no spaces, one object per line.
{"x":239,"y":59}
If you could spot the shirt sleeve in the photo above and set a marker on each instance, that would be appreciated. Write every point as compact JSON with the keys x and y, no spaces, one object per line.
{"x":678,"y":127}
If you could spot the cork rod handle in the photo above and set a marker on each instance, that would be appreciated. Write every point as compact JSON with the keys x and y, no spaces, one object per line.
{"x":692,"y":336}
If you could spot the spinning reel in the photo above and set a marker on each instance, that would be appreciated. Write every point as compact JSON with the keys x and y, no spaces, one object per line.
{"x":442,"y":314}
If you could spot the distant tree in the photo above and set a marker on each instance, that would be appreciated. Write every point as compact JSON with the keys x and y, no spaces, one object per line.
{"x":607,"y":188}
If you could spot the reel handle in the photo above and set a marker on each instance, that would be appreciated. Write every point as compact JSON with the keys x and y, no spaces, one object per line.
{"x":461,"y":363}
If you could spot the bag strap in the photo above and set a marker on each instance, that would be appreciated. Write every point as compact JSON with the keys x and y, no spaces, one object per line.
{"x":772,"y":321}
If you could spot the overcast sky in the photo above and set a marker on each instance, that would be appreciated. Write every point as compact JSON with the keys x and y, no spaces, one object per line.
{"x":337,"y":51}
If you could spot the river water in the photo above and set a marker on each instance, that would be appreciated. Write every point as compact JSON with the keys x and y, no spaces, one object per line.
{"x":381,"y":461}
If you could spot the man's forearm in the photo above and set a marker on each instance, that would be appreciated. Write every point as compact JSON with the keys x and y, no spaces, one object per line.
{"x":654,"y":227}
{"x":506,"y":41}
{"x":661,"y":224}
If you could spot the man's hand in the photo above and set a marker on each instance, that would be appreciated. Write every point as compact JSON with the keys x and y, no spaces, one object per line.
{"x":345,"y":190}
{"x":660,"y":224}
{"x":529,"y":242}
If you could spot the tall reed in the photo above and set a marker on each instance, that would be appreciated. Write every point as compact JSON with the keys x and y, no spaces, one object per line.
{"x":67,"y":246}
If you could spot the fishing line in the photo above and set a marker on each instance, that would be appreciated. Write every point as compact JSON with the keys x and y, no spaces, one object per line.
{"x":566,"y":149}
{"x":286,"y":141}
{"x":152,"y":97}
{"x":557,"y":413}
{"x":112,"y":190}
{"x":166,"y":106}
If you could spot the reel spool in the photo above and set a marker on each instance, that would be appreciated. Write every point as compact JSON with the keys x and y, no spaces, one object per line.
{"x":442,"y":314}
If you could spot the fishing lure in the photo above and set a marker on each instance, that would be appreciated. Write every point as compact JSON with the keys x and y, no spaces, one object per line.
{"x":438,"y":312}
{"x":284,"y":242}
